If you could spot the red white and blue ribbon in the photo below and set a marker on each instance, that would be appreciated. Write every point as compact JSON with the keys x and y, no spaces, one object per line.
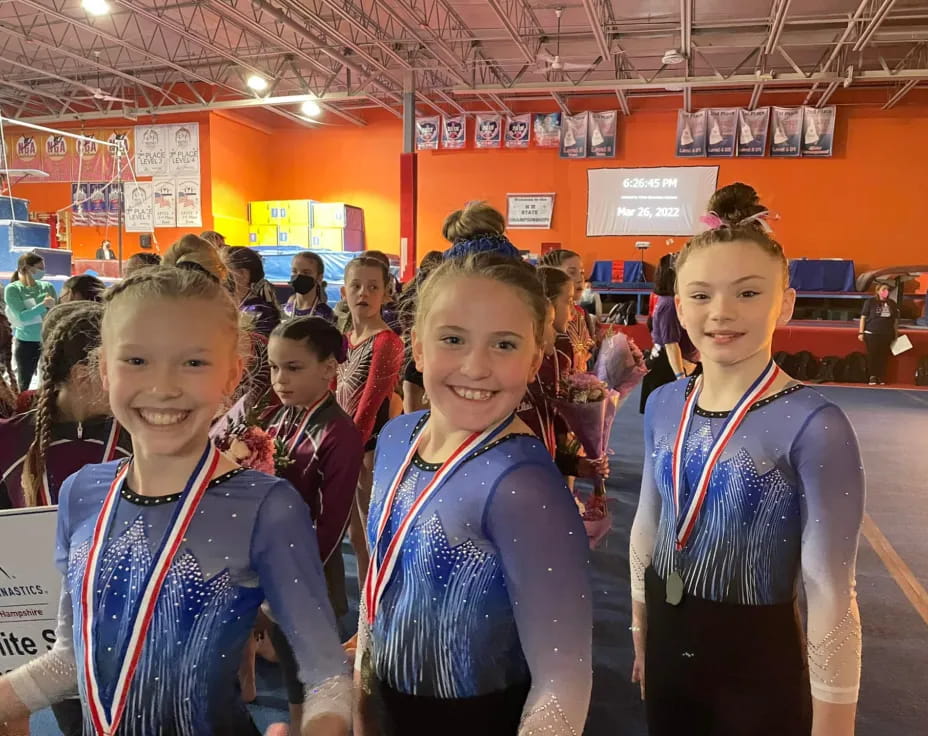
{"x":105,"y":719}
{"x":755,"y":393}
{"x":109,"y":453}
{"x":380,"y":570}
{"x":297,"y":435}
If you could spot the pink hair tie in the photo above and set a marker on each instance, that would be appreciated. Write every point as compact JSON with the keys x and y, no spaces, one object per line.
{"x":712,"y":221}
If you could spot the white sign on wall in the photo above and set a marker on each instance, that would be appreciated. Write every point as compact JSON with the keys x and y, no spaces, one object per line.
{"x":30,"y":585}
{"x":529,"y":211}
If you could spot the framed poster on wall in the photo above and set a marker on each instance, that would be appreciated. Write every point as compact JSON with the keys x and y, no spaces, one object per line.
{"x":529,"y":211}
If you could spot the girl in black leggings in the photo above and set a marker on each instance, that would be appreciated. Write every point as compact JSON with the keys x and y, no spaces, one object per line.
{"x":879,"y":327}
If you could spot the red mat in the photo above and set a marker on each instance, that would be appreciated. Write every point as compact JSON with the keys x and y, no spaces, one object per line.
{"x":821,"y":341}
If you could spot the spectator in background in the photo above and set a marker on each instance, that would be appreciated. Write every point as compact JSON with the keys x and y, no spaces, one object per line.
{"x":390,"y":309}
{"x":215,"y":239}
{"x":879,"y":327}
{"x":82,"y":288}
{"x":253,"y":291}
{"x":141,"y":260}
{"x":28,"y":298}
{"x":105,"y":252}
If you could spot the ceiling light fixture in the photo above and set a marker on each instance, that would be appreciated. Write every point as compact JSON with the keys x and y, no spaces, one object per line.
{"x":672,"y":57}
{"x":310,"y":108}
{"x":96,"y":7}
{"x":258,"y":84}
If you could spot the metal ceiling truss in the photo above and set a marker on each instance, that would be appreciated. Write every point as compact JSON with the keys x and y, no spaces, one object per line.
{"x":176,"y":56}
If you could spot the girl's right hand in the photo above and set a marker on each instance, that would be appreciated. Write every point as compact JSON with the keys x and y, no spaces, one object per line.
{"x":638,"y":665}
{"x":639,"y":630}
{"x":48,"y":302}
{"x":860,"y":337}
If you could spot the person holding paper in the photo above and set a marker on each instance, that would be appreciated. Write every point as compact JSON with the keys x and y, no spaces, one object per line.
{"x":879,"y":328}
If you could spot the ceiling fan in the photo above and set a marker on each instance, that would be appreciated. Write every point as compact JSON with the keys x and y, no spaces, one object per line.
{"x":553,"y":63}
{"x":96,"y":93}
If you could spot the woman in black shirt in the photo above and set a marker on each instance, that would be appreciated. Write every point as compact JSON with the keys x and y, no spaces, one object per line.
{"x":879,"y":322}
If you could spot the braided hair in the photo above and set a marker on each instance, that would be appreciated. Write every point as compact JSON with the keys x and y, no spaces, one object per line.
{"x":6,"y":353}
{"x":70,"y":337}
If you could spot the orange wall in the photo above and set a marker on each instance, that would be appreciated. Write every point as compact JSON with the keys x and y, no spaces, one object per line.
{"x":85,"y":240}
{"x":241,"y":173}
{"x":866,"y":203}
{"x":345,"y":163}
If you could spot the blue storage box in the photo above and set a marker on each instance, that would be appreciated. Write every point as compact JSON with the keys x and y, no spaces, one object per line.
{"x":14,"y":208}
{"x":16,"y":234}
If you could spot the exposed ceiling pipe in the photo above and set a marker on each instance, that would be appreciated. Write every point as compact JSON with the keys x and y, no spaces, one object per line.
{"x":844,"y":36}
{"x":826,"y":95}
{"x":904,"y":90}
{"x":623,"y":101}
{"x":874,"y":24}
{"x":776,"y":26}
{"x":596,"y":25}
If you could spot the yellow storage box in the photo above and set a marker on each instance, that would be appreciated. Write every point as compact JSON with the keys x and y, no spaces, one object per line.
{"x":262,"y":235}
{"x":339,"y":240}
{"x":259,"y":213}
{"x":298,"y":235}
{"x":337,"y":215}
{"x":299,"y":212}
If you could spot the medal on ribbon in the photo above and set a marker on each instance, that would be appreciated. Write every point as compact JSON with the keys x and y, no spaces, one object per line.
{"x":380,"y":569}
{"x":686,"y":521}
{"x":294,"y":441}
{"x":106,"y":718}
{"x":109,"y":453}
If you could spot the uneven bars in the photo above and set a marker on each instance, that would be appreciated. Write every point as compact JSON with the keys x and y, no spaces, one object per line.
{"x":98,"y":141}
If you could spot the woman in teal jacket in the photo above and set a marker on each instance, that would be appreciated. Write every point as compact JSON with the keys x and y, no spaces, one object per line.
{"x":28,"y":298}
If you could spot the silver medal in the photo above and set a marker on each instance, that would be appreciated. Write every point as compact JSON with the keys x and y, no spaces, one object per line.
{"x":674,"y":588}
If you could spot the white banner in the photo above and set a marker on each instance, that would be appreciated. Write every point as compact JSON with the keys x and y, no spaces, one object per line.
{"x":184,"y":149}
{"x":30,"y":585}
{"x":529,"y":211}
{"x":188,"y":202}
{"x":140,"y":216}
{"x":165,"y":205}
{"x":151,"y":150}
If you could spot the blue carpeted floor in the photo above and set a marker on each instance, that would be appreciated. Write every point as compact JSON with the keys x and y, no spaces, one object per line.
{"x":893,"y":430}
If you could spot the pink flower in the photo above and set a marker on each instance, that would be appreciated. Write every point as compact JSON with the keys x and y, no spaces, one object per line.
{"x":253,"y":448}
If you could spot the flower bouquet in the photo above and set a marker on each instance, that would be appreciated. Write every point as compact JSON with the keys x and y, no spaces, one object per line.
{"x":588,"y":406}
{"x":620,"y":364}
{"x":249,"y":444}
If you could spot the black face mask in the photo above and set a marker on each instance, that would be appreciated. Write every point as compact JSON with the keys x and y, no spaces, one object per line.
{"x":303,"y":284}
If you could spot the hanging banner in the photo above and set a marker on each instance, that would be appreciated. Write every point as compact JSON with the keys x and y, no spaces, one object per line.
{"x":722,"y":127}
{"x":454,"y":132}
{"x":80,"y":198}
{"x":691,"y":134}
{"x":59,"y":158}
{"x":184,"y":149}
{"x":427,"y":133}
{"x":25,"y":153}
{"x":151,"y":150}
{"x":139,"y":207}
{"x":548,"y":130}
{"x":30,"y":585}
{"x":97,"y":206}
{"x":489,"y":130}
{"x":787,"y":131}
{"x":603,"y":134}
{"x":123,"y":139}
{"x":114,"y":203}
{"x":188,"y":203}
{"x":574,"y":135}
{"x":529,"y":211}
{"x":818,"y":131}
{"x":753,"y":126}
{"x":93,"y":163}
{"x":518,"y":130}
{"x":164,"y":193}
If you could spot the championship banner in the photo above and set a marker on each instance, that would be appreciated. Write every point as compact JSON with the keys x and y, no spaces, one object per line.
{"x":529,"y":211}
{"x":114,"y":203}
{"x":574,"y":135}
{"x":164,"y":192}
{"x":787,"y":131}
{"x":818,"y":131}
{"x":548,"y":130}
{"x":691,"y":134}
{"x":97,"y":205}
{"x":188,"y":203}
{"x":489,"y":130}
{"x":151,"y":150}
{"x":24,"y":152}
{"x":723,"y":126}
{"x":603,"y":134}
{"x":427,"y":133}
{"x":518,"y":130}
{"x":122,"y":138}
{"x":454,"y":132}
{"x":184,"y":149}
{"x":753,"y":126}
{"x":93,"y":163}
{"x":139,"y":207}
{"x":59,"y":158}
{"x":30,"y":585}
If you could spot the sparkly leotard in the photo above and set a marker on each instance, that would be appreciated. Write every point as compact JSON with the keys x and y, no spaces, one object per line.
{"x":368,"y":377}
{"x":469,"y":609}
{"x":250,"y":539}
{"x":784,"y":504}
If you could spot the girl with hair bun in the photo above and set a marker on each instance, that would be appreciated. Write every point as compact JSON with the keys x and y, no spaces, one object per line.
{"x":471,"y":529}
{"x":70,"y":427}
{"x":166,"y":556}
{"x":752,"y":482}
{"x":478,"y":228}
